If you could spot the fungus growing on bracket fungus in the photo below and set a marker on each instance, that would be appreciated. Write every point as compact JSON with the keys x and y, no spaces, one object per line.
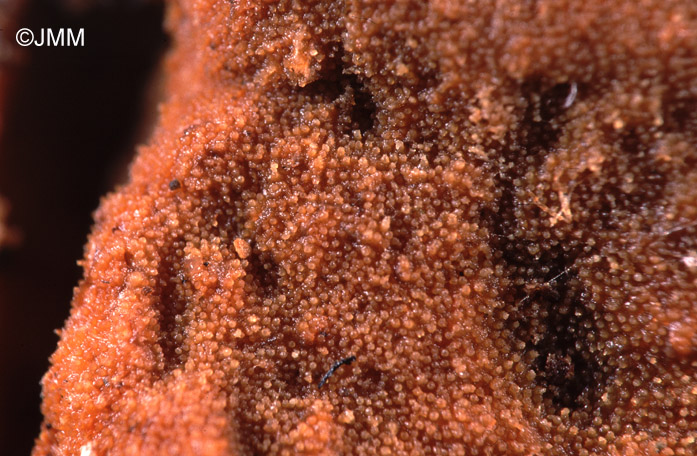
{"x":491,"y":205}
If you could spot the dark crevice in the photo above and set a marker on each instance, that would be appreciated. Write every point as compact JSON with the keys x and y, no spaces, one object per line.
{"x":634,"y":158}
{"x":551,"y":313}
{"x":171,"y":305}
{"x":327,"y":90}
{"x":555,"y":100}
{"x":264,"y":272}
{"x":680,"y":115}
{"x":364,"y":108}
{"x":329,"y":83}
{"x":565,"y":365}
{"x":544,"y":118}
{"x":357,"y":109}
{"x":551,"y":316}
{"x":648,"y":184}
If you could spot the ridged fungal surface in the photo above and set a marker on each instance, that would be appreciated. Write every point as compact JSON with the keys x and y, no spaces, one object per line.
{"x":399,"y":227}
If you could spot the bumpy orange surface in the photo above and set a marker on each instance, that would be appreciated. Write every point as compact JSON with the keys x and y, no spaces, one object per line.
{"x":472,"y":223}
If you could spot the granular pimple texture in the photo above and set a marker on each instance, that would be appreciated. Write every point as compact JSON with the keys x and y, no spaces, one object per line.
{"x":492,"y":206}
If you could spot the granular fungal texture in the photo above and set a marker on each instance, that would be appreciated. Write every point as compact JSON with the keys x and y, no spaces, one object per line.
{"x":492,"y":206}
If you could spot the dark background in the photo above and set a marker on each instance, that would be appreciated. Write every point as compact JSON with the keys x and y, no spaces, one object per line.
{"x":72,"y":118}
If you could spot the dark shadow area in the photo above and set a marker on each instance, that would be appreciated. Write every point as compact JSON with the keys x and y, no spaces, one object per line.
{"x":72,"y":118}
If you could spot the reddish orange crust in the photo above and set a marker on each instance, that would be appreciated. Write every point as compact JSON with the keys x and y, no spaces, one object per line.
{"x":491,"y":205}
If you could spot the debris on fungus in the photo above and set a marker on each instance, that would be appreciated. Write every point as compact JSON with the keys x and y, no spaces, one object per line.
{"x":491,"y":205}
